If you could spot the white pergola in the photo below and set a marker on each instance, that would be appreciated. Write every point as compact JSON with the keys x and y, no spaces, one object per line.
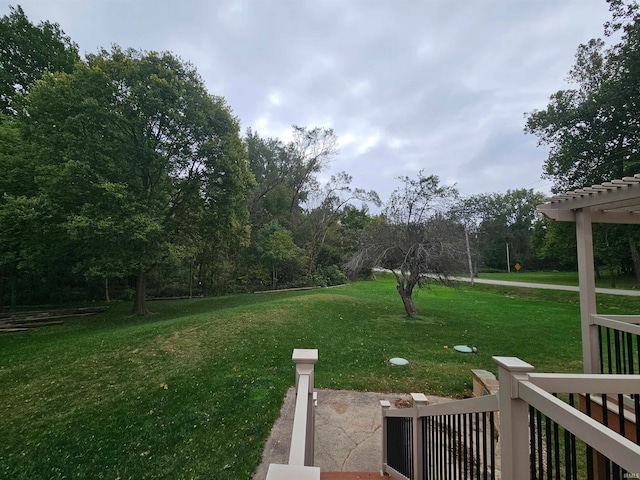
{"x":617,"y":201}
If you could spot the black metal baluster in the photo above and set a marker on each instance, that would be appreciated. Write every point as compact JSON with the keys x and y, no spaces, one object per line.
{"x":605,"y":422}
{"x":434,"y":446}
{"x":492,"y":426}
{"x":618,"y":348}
{"x":556,"y":435}
{"x":621,"y":414}
{"x":590,"y":472}
{"x":547,"y":433}
{"x":601,"y":343}
{"x":471,"y":446}
{"x":610,"y":364}
{"x":630,"y":365}
{"x":539,"y":440}
{"x":440,"y":437}
{"x":532,"y":443}
{"x":459,"y":445}
{"x":477,"y":421}
{"x":484,"y":445}
{"x":636,"y":407}
{"x":447,"y":437}
{"x":465,"y":419}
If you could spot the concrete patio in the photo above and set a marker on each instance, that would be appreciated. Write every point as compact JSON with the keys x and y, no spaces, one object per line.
{"x":348,"y":436}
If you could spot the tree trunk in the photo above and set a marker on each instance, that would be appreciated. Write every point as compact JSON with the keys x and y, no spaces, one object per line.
{"x":612,"y":276}
{"x":106,"y":289}
{"x":466,"y":237}
{"x":405,"y":295}
{"x":13,"y":302}
{"x":274,"y":277}
{"x":140,"y":301}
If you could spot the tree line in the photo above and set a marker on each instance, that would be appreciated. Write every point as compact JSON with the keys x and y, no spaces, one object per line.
{"x":123,"y":177}
{"x":592,"y":131}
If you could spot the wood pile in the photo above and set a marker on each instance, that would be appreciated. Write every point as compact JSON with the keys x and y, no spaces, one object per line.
{"x":21,"y":321}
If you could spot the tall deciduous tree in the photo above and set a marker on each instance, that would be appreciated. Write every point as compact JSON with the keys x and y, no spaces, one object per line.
{"x":593,"y":129}
{"x":272,"y":164}
{"x":27,"y":51}
{"x":278,"y":251}
{"x":311,"y":150}
{"x":508,"y":220}
{"x":135,"y":158}
{"x":414,"y":241}
{"x":323,"y":212}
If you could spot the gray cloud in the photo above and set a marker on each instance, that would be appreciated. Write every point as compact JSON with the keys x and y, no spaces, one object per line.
{"x":437,"y":85}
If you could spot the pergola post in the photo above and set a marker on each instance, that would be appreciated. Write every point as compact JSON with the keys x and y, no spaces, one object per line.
{"x":586,"y":275}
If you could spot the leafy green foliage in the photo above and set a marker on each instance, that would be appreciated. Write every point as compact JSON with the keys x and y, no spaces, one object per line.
{"x":28,"y":51}
{"x":592,"y":129}
{"x":135,"y":160}
{"x":279,"y":253}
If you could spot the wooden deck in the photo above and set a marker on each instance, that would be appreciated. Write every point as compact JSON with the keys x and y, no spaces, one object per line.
{"x":351,"y":476}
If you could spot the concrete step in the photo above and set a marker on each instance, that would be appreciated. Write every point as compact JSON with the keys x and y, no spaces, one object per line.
{"x":351,"y":476}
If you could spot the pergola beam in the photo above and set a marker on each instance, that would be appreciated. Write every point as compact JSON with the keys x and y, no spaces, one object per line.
{"x":597,"y":216}
{"x":617,"y":201}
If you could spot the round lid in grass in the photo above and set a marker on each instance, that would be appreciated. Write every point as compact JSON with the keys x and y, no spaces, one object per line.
{"x":464,"y":349}
{"x":398,"y":362}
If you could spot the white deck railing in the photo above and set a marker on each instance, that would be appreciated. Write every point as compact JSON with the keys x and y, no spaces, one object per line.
{"x":624,"y":323}
{"x":520,"y":389}
{"x":300,"y":466}
{"x":614,"y":343}
{"x":534,"y":424}
{"x":448,"y":440}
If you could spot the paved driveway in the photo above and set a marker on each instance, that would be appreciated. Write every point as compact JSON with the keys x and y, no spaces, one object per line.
{"x":572,"y":288}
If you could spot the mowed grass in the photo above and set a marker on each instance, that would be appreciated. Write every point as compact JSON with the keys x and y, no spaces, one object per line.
{"x":193,"y":390}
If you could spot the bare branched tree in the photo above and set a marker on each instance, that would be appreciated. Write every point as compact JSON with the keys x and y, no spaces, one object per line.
{"x":414,"y":240}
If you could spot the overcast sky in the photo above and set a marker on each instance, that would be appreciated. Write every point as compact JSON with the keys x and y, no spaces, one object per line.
{"x":439,"y":85}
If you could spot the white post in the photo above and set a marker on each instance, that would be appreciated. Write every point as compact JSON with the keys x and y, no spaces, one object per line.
{"x":419,"y":400}
{"x":385,"y":405}
{"x":305,"y":359}
{"x":300,"y":465}
{"x":508,"y":260}
{"x":514,"y":416}
{"x":590,"y":342}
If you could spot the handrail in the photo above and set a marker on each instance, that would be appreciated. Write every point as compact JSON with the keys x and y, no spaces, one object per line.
{"x":299,"y":435}
{"x":530,"y":408}
{"x":617,"y":322}
{"x":609,"y":443}
{"x":586,"y":383}
{"x":300,"y":464}
{"x":487,"y":403}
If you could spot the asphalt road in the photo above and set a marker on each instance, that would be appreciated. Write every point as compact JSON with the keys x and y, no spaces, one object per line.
{"x":571,"y":288}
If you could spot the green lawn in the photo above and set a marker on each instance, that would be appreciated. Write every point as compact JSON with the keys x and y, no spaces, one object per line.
{"x":87,"y":399}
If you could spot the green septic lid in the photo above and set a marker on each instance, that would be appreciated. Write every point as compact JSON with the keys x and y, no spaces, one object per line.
{"x":463,"y":349}
{"x":399,"y":362}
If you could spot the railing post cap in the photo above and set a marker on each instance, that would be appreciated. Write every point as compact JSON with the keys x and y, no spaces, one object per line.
{"x":305,"y":355}
{"x":292,"y":472}
{"x":419,"y":398}
{"x":513,"y":364}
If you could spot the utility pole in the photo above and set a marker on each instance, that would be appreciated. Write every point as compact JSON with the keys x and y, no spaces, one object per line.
{"x":508,"y":260}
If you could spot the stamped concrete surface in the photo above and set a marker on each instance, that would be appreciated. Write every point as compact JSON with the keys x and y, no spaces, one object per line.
{"x":348,"y":436}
